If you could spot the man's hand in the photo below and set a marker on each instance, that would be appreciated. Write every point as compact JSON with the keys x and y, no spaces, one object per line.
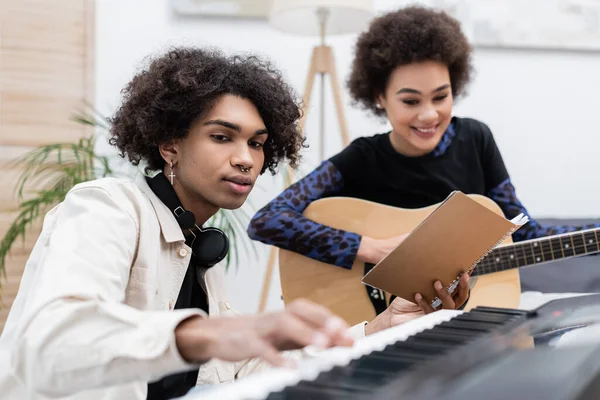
{"x":302,"y":323}
{"x":401,"y":311}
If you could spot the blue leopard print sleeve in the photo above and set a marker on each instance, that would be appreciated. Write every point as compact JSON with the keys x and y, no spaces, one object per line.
{"x":281,"y":223}
{"x":505,"y":196}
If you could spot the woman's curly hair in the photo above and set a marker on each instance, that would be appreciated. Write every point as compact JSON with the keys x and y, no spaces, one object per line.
{"x":411,"y":34}
{"x":164,"y":99}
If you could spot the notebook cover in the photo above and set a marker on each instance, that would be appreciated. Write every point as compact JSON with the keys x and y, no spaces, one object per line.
{"x":445,"y":244}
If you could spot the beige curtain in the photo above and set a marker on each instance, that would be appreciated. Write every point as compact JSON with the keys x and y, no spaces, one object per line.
{"x":46,"y":74}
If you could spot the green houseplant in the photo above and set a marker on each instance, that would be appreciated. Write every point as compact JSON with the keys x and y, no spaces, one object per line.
{"x":55,"y":168}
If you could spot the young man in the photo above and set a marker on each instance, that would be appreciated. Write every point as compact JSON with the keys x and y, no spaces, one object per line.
{"x":114,"y":300}
{"x":107,"y":302}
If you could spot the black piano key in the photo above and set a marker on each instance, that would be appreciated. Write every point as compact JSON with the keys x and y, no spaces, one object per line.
{"x":275,"y":396}
{"x":468,"y":334}
{"x":440,"y":337}
{"x":506,"y":311}
{"x":407,"y":356}
{"x":422,"y":347}
{"x":305,"y":391}
{"x":359,"y":374}
{"x":485,"y":317}
{"x":342,"y":386}
{"x":378,"y":363}
{"x":414,"y":355}
{"x":439,"y":348}
{"x":355,"y":379}
{"x":478,"y":325}
{"x":469,"y":325}
{"x":353,"y":374}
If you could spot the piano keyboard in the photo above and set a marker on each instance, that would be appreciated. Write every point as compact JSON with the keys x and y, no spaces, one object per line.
{"x":358,"y":372}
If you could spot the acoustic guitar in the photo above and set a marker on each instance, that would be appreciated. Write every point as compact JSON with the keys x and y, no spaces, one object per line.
{"x":494,"y":282}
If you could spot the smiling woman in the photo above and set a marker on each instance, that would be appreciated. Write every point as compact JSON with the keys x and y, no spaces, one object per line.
{"x":409,"y":67}
{"x":418,"y":102}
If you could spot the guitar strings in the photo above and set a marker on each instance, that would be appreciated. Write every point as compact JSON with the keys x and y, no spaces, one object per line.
{"x":489,"y":263}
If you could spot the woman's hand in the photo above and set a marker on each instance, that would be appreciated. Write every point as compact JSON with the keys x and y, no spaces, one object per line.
{"x":401,"y":311}
{"x":374,"y":250}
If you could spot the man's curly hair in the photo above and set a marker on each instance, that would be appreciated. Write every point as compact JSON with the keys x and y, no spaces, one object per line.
{"x":408,"y":35}
{"x":164,"y":99}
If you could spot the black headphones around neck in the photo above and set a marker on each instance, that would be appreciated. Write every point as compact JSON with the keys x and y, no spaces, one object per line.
{"x":209,"y":245}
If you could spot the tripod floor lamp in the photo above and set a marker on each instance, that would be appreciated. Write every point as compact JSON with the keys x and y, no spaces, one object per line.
{"x":317,"y":18}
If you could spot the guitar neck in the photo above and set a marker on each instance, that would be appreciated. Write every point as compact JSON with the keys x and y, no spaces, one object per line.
{"x":539,"y":251}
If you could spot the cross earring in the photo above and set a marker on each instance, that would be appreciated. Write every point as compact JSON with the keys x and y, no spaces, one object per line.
{"x":171,"y":175}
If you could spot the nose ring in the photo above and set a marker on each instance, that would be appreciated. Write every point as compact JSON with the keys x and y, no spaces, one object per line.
{"x":244,"y":169}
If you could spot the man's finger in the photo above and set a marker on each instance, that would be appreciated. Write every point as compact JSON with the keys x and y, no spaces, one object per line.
{"x":274,"y":357}
{"x":288,"y":332}
{"x":317,"y":316}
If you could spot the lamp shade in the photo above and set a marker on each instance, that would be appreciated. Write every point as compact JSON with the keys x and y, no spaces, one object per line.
{"x":300,"y":16}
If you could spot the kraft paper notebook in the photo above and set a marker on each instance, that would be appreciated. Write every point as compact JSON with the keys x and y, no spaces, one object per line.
{"x":451,"y":240}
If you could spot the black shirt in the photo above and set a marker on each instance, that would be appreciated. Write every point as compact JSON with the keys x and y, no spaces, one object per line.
{"x":465,"y":159}
{"x":373,"y":170}
{"x":191,"y":295}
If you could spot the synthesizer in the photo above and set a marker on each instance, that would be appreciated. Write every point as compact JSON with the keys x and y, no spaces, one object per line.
{"x":488,"y":353}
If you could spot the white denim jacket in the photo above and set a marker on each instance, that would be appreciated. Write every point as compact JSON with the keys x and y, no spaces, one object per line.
{"x":94,"y":315}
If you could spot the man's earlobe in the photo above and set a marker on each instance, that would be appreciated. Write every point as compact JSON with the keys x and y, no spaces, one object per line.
{"x":168,"y":152}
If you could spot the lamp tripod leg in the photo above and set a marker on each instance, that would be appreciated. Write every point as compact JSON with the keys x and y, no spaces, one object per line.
{"x":322,"y":62}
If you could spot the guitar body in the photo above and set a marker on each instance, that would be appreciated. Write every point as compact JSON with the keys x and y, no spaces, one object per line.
{"x":342,"y":291}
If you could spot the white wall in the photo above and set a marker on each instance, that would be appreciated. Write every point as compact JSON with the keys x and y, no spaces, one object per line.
{"x":542,"y":106}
